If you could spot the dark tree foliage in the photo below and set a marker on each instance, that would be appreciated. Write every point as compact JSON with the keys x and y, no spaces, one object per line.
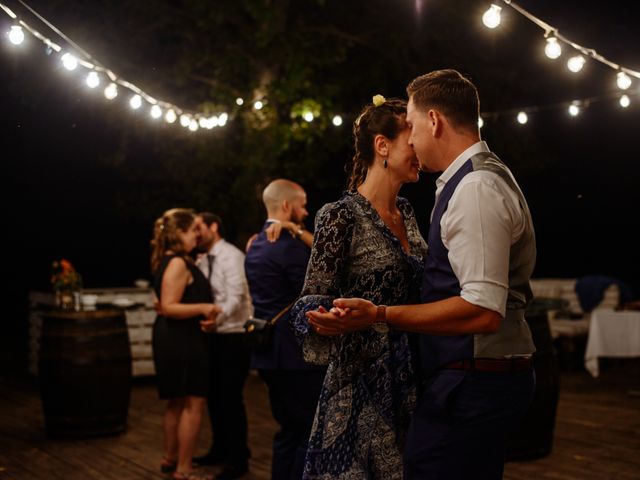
{"x":111,"y":171}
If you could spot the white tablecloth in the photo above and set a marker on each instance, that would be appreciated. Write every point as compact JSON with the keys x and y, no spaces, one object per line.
{"x":612,"y":334}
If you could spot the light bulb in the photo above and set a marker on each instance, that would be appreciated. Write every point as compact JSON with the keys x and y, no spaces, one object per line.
{"x":156,"y":111}
{"x":491,"y":17}
{"x":574,"y":110}
{"x":258,"y":105}
{"x":16,"y":35}
{"x":193,"y":125}
{"x":213,"y":121}
{"x":222,"y":119}
{"x":522,"y":118}
{"x":576,"y":63}
{"x":185,"y":120}
{"x":308,"y":116}
{"x":239,"y":101}
{"x":93,"y":79}
{"x":553,"y":49}
{"x":203,"y":122}
{"x":135,"y":102}
{"x":337,"y":120}
{"x":624,"y":101}
{"x":623,"y":80}
{"x":69,"y":61}
{"x":111,"y":91}
{"x":480,"y":122}
{"x":170,"y":116}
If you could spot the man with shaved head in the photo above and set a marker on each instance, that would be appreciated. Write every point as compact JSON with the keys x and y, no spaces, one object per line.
{"x":275,"y":271}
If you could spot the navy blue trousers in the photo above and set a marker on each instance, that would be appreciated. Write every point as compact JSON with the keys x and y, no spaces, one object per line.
{"x":462,"y":422}
{"x":293,"y":395}
{"x":227,"y":413}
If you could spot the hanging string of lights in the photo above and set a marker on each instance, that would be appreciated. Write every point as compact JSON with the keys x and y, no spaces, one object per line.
{"x":138,"y":99}
{"x":96,"y":74}
{"x":554,"y":42}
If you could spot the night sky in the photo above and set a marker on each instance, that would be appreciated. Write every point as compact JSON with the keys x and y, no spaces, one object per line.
{"x":580,"y":175}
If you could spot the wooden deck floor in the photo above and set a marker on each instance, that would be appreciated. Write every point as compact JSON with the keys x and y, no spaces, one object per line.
{"x":597,"y":434}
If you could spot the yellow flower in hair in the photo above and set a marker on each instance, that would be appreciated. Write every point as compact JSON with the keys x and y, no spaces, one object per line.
{"x":378,"y":100}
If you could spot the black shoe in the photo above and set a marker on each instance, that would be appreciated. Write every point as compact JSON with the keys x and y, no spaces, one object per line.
{"x":208,"y":459}
{"x":232,"y":472}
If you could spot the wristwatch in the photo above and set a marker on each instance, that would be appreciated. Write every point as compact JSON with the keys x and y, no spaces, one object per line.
{"x":299,"y":232}
{"x":380,"y":325}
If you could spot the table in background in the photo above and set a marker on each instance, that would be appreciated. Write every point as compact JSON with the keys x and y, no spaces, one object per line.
{"x":612,"y":334}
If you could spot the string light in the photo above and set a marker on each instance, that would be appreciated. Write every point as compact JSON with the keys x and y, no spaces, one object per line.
{"x":491,"y":17}
{"x":135,"y":101}
{"x":111,"y":91}
{"x":93,"y":79}
{"x":80,"y":58}
{"x":623,"y":81}
{"x":574,"y":109}
{"x":576,"y":63}
{"x":170,"y":116}
{"x":522,"y":118}
{"x":185,"y":120}
{"x":624,"y":101}
{"x":69,"y":61}
{"x":553,"y":47}
{"x":16,"y":35}
{"x":155,"y":112}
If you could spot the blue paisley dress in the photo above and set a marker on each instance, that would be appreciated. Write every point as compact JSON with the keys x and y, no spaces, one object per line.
{"x":369,"y":390}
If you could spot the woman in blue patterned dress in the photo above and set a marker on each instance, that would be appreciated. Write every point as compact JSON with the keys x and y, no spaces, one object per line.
{"x":367,"y":244}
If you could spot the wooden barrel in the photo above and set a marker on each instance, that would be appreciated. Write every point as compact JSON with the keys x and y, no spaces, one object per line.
{"x":534,"y":438}
{"x":85,"y":373}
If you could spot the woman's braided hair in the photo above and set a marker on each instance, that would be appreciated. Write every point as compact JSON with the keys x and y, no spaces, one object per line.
{"x":387,"y":119}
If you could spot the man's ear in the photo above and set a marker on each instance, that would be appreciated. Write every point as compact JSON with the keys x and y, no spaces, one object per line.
{"x":286,"y":206}
{"x":214,"y":227}
{"x":435,"y":122}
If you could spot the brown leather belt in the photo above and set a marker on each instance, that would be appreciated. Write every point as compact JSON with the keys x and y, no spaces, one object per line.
{"x":512,"y":365}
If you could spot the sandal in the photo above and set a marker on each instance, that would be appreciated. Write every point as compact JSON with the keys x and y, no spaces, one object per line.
{"x":192,"y":475}
{"x":168,"y":466}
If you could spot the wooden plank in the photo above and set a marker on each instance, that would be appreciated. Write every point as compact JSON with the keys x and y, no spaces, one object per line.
{"x":597,"y":434}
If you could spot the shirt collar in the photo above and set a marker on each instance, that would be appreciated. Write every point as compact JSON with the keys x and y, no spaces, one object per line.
{"x":215,"y":249}
{"x":474,"y":149}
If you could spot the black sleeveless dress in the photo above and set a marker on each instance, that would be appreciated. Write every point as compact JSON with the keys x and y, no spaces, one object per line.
{"x":180,"y":348}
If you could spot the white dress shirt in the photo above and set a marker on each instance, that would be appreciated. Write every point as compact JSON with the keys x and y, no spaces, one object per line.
{"x":482,"y":221}
{"x":229,"y":286}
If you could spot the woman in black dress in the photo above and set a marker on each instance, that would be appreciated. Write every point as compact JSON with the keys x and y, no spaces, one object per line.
{"x":180,"y":346}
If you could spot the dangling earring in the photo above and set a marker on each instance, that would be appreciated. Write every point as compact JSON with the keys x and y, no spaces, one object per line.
{"x":384,"y":163}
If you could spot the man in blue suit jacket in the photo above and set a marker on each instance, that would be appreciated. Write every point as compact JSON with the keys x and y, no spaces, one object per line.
{"x":275,"y":272}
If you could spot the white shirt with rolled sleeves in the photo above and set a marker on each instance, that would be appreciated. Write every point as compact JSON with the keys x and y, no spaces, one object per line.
{"x":229,"y":286}
{"x":476,"y":242}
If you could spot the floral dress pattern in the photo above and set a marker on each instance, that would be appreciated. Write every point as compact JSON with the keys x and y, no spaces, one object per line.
{"x":369,"y":391}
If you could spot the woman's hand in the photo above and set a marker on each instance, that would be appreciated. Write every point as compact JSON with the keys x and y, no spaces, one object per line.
{"x":274,"y":230}
{"x":347,"y":315}
{"x":250,"y":241}
{"x":210,"y":311}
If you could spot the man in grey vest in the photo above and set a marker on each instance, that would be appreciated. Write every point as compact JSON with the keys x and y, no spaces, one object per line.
{"x":474,"y":345}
